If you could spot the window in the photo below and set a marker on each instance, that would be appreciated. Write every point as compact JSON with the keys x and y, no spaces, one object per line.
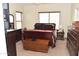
{"x":50,"y":17}
{"x":76,"y":15}
{"x":18,"y":20}
{"x":43,"y":17}
{"x":54,"y":18}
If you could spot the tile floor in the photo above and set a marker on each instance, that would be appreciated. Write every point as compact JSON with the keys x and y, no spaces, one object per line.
{"x":59,"y":50}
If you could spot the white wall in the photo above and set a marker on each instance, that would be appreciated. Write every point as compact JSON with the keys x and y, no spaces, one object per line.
{"x":13,"y":7}
{"x":3,"y":49}
{"x":74,"y":6}
{"x":31,"y":14}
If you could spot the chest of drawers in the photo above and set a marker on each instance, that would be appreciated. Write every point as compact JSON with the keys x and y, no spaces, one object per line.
{"x":73,"y":42}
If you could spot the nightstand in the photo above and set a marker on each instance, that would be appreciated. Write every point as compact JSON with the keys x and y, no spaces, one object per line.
{"x":60,"y":34}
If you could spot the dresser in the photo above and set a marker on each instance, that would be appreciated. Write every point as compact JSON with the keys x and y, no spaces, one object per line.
{"x":11,"y":43}
{"x":12,"y":36}
{"x":18,"y":35}
{"x":73,"y":42}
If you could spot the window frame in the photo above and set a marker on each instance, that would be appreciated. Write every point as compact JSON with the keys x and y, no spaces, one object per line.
{"x":18,"y":21}
{"x":49,"y":16}
{"x":76,"y":10}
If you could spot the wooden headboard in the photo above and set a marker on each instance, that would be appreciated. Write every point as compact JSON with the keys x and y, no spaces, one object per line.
{"x":45,"y":26}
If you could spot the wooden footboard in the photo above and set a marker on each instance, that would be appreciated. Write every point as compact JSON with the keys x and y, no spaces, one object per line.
{"x":40,"y":34}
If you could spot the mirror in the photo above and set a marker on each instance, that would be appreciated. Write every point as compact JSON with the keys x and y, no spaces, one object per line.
{"x":11,"y":17}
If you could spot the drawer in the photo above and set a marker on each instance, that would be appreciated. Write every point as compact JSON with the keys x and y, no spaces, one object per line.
{"x":73,"y":51}
{"x":69,"y":36}
{"x":74,"y":34}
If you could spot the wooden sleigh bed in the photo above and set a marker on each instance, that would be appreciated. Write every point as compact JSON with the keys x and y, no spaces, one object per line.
{"x":39,"y":39}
